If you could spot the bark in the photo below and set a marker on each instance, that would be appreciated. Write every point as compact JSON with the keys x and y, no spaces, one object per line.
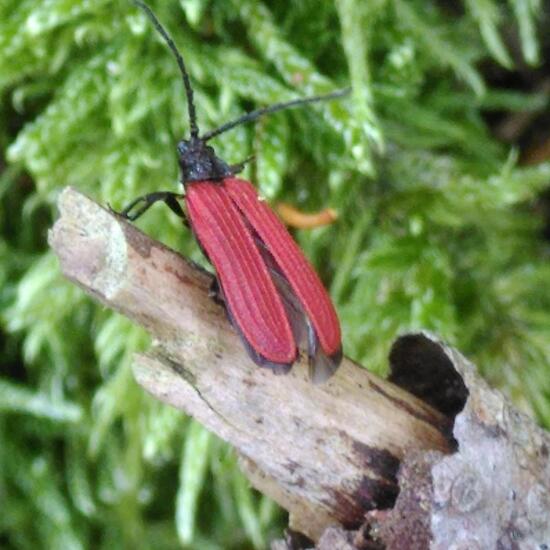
{"x":328,"y":453}
{"x":494,"y":491}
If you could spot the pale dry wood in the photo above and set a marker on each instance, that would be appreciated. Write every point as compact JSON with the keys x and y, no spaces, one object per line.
{"x":326,"y":453}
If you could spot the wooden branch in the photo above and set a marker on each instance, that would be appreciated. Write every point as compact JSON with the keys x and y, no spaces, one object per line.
{"x":326,"y":453}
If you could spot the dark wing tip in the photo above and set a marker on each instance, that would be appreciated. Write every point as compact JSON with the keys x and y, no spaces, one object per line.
{"x":322,"y":367}
{"x":260,"y":360}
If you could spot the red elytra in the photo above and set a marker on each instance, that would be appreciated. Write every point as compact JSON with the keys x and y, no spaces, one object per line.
{"x":303,"y":280}
{"x":223,"y":217}
{"x":272,"y":295}
{"x":249,"y":292}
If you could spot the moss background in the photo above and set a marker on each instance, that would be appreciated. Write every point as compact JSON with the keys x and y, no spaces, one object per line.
{"x":434,"y":163}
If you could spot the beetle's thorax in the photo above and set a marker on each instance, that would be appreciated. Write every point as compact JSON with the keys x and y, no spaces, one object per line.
{"x":199,"y":162}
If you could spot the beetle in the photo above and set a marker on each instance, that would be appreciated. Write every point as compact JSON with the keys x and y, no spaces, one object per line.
{"x":272,"y":295}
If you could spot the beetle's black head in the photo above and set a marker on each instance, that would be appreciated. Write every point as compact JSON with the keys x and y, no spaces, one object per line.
{"x":198,"y":161}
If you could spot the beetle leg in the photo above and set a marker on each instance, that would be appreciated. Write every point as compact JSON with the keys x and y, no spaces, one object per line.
{"x":169,"y":198}
{"x":216,"y":293}
{"x":236,"y":168}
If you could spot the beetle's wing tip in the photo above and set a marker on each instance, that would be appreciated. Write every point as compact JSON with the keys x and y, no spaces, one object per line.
{"x":261,"y":361}
{"x":277,"y":368}
{"x":322,"y":366}
{"x":258,"y":358}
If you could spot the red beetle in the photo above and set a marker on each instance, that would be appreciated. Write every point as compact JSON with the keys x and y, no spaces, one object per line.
{"x":272,"y":295}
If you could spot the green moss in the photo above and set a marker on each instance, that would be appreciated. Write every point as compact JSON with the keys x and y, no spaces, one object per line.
{"x":437,"y":229}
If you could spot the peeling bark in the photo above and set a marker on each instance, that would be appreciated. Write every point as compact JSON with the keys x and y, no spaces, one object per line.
{"x":494,"y":491}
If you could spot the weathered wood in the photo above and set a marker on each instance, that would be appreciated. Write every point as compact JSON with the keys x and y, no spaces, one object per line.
{"x":494,"y":491}
{"x":326,"y":453}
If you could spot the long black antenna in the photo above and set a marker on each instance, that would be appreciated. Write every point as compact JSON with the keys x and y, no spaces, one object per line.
{"x":253,"y":115}
{"x":186,"y":82}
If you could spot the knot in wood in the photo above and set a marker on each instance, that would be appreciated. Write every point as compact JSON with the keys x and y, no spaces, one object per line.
{"x":467,"y":492}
